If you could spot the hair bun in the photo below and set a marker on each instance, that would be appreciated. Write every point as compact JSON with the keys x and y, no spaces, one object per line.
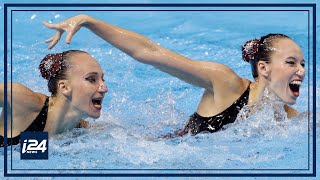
{"x":250,"y":49}
{"x":50,"y":65}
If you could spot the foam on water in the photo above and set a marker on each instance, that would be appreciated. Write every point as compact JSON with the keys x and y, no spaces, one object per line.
{"x":259,"y":141}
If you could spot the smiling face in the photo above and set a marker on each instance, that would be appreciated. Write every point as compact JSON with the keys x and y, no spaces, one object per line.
{"x":286,"y":70}
{"x":87,"y":85}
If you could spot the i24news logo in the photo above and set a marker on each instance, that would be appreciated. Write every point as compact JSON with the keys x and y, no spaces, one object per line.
{"x":34,"y":145}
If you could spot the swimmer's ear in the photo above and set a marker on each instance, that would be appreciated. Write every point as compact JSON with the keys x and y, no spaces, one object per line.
{"x":263,"y":68}
{"x":64,"y":88}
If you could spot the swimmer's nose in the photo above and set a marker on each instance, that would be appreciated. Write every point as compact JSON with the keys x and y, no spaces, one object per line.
{"x":103,"y":88}
{"x":301,"y":72}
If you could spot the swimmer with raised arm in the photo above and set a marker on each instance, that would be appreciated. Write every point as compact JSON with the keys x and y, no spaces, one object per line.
{"x":277,"y":65}
{"x":75,"y":80}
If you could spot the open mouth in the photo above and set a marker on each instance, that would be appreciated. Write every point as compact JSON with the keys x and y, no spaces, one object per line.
{"x":295,"y":87}
{"x":97,"y":103}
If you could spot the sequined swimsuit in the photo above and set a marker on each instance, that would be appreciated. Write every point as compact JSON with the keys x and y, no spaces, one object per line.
{"x":37,"y":125}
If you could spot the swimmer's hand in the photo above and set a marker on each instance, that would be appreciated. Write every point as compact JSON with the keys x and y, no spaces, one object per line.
{"x":83,"y":124}
{"x":178,"y":133}
{"x":71,"y":26}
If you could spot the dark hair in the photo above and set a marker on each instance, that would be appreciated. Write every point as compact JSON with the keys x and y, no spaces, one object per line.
{"x":259,"y":50}
{"x":54,"y":67}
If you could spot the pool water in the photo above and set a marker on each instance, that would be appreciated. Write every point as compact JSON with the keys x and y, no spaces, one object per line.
{"x":144,"y":103}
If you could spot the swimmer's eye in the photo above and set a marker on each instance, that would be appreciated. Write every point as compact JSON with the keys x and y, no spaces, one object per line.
{"x":91,"y":79}
{"x":290,"y":62}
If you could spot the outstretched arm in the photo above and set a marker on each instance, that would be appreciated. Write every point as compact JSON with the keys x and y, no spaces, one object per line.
{"x":199,"y":73}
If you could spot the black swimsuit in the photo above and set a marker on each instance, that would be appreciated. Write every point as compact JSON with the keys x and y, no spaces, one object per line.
{"x":199,"y":124}
{"x":37,"y":125}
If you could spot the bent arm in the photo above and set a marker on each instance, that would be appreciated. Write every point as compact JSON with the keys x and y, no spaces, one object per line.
{"x":22,"y":100}
{"x":21,"y":96}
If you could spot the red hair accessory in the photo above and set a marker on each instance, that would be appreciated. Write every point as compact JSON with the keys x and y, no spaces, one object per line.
{"x":50,"y":65}
{"x":249,"y":49}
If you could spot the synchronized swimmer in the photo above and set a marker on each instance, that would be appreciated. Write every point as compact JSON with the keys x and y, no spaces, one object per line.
{"x":75,"y":81}
{"x":77,"y":87}
{"x":277,"y":65}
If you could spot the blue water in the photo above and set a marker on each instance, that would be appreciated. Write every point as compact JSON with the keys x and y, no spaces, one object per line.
{"x":144,"y":103}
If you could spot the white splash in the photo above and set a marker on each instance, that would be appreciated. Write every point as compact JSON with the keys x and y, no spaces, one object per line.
{"x":266,"y":118}
{"x":33,"y":16}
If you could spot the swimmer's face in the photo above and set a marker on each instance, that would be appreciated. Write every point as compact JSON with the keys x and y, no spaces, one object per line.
{"x":286,"y":70}
{"x":87,"y":85}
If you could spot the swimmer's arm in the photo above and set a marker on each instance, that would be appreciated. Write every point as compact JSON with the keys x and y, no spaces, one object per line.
{"x":24,"y":99}
{"x":1,"y":94}
{"x":1,"y":105}
{"x":291,"y":112}
{"x":198,"y":73}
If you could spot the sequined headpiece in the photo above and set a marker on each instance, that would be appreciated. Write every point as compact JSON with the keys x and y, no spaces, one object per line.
{"x":250,"y":49}
{"x":51,"y":65}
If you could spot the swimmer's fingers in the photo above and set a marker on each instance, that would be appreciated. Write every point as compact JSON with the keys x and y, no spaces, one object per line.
{"x":71,"y":29}
{"x":70,"y":34}
{"x":49,"y":40}
{"x":54,"y":40}
{"x":51,"y":26}
{"x":48,"y":25}
{"x":71,"y":26}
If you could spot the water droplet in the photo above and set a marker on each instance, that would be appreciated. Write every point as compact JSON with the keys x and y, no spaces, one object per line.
{"x":33,"y":16}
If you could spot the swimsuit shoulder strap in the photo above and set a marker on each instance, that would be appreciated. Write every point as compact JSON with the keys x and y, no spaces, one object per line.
{"x":39,"y":123}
